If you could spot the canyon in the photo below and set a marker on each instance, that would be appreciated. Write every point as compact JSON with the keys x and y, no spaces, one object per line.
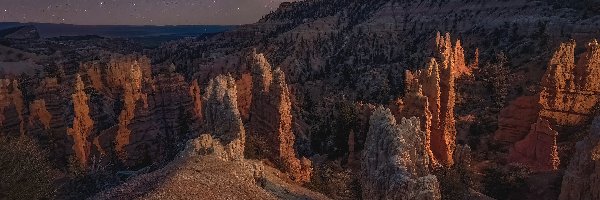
{"x":324,"y":99}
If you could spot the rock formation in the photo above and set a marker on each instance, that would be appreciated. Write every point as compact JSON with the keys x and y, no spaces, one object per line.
{"x":452,"y":56}
{"x":195,"y":93}
{"x":270,"y":136}
{"x":395,"y":163}
{"x":222,"y":120}
{"x":244,"y":87}
{"x":514,"y":121}
{"x":39,"y":112}
{"x":11,"y":107}
{"x":435,"y":85}
{"x":581,"y":179}
{"x":415,"y":104}
{"x":538,"y":150}
{"x":83,"y":125}
{"x":430,"y":96}
{"x":571,"y":90}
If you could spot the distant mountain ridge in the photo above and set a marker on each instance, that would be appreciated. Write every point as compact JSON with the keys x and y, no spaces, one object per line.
{"x":47,"y":30}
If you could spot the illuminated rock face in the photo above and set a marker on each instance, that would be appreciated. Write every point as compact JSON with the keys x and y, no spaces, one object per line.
{"x":582,"y":179}
{"x":514,"y":121}
{"x":270,"y":136}
{"x":395,"y":161}
{"x":570,"y":90}
{"x":538,"y":150}
{"x":83,"y":125}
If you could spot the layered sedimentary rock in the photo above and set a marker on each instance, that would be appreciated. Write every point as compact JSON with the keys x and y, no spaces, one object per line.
{"x":83,"y":125}
{"x":395,"y":161}
{"x":222,"y":119}
{"x":538,"y":150}
{"x":11,"y":107}
{"x":582,"y":177}
{"x":514,"y":121}
{"x":136,"y":130}
{"x":270,"y":136}
{"x":571,"y":90}
{"x":175,"y":107}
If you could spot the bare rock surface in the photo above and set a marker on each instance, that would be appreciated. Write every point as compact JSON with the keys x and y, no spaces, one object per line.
{"x":395,"y":162}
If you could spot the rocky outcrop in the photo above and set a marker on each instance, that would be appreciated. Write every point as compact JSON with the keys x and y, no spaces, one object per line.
{"x":571,"y":90}
{"x":395,"y":161}
{"x":435,"y":84}
{"x":270,"y":136}
{"x":222,"y":121}
{"x":244,"y":87}
{"x":450,"y":55}
{"x":581,"y":179}
{"x":11,"y":107}
{"x":195,"y":93}
{"x":514,"y":121}
{"x":39,"y":113}
{"x":538,"y":150}
{"x":430,"y":96}
{"x":83,"y":125}
{"x":415,"y":104}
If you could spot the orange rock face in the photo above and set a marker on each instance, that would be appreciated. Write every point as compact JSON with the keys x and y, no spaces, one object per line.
{"x":83,"y":125}
{"x":271,"y":135}
{"x":514,"y":121}
{"x":430,"y":95}
{"x":571,"y":90}
{"x":538,"y":150}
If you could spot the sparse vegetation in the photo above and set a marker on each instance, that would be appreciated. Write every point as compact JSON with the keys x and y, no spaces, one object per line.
{"x":25,"y":171}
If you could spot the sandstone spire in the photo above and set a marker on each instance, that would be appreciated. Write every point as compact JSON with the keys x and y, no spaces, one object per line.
{"x":222,"y":121}
{"x":569,"y":91}
{"x":270,"y":136}
{"x":83,"y":125}
{"x":395,"y":160}
{"x":437,"y":85}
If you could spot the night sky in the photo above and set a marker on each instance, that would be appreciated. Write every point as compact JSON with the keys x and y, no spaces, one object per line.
{"x":136,"y":12}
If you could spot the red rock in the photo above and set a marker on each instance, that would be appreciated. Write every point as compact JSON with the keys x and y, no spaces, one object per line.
{"x":514,"y":121}
{"x":538,"y":150}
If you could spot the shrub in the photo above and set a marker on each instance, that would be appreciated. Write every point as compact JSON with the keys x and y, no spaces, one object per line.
{"x":25,"y":171}
{"x":502,"y":183}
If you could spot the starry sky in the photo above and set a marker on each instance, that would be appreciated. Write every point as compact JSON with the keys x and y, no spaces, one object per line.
{"x":137,"y":12}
